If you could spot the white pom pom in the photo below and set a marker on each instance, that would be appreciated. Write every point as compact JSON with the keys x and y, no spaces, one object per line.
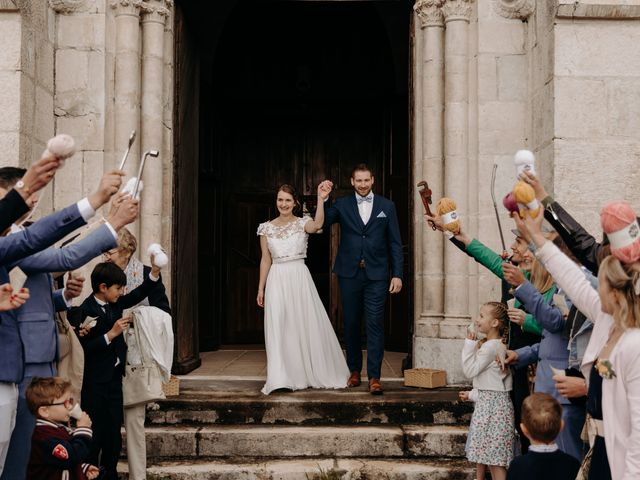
{"x":160,"y":258}
{"x":131,"y":184}
{"x":62,"y":146}
{"x":525,"y":161}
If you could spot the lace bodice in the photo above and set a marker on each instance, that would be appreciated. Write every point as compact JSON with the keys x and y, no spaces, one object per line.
{"x":288,"y":242}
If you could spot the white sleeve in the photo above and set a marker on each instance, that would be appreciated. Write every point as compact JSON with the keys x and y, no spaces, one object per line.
{"x":86,"y":210}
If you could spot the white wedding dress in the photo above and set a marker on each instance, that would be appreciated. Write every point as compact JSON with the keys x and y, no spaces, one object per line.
{"x":302,"y":348}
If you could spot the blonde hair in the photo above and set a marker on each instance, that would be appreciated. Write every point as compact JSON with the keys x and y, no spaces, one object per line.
{"x":500,"y":312}
{"x":625,"y":278}
{"x":540,"y":278}
{"x":43,"y":391}
{"x":127,"y":242}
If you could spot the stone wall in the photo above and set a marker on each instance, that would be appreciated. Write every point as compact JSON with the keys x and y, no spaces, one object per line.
{"x":597,"y":107}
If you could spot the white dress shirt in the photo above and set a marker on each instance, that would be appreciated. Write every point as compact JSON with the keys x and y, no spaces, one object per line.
{"x":365,"y":207}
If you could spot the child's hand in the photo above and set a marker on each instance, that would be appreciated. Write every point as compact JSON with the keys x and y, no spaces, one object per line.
{"x":471,"y":335}
{"x":464,"y":396}
{"x":84,"y":331}
{"x":84,"y":420}
{"x":92,"y":472}
{"x":118,"y":327}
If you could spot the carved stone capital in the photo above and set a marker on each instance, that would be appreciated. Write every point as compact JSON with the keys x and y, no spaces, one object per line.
{"x":126,"y":7}
{"x":429,"y":13}
{"x":457,"y":10}
{"x":155,"y":12}
{"x":9,"y":6}
{"x":67,"y":6}
{"x":520,"y":9}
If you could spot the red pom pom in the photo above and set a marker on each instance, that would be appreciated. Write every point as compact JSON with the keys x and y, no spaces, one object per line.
{"x":620,"y":223}
{"x":510,"y":203}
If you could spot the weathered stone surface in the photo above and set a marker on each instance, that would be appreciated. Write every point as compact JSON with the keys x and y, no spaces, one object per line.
{"x":10,"y":39}
{"x":431,"y":441}
{"x":346,"y":469}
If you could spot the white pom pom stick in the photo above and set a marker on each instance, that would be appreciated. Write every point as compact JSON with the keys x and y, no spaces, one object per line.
{"x":525,"y":161}
{"x":130,"y":186}
{"x":61,"y":146}
{"x":160,"y":258}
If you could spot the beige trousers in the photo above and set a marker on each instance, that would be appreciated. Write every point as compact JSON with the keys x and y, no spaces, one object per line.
{"x":136,"y":443}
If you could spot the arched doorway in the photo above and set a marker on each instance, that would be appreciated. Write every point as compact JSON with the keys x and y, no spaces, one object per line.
{"x":276,"y":92}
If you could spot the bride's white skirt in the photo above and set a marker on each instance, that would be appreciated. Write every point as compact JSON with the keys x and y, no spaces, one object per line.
{"x":302,"y":348}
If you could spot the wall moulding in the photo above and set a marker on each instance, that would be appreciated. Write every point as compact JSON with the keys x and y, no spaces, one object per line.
{"x":9,"y":6}
{"x":611,"y":10}
{"x":429,"y":12}
{"x":457,"y":10}
{"x":520,"y":9}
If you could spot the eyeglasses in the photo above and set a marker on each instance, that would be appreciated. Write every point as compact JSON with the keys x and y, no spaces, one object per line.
{"x":68,"y":403}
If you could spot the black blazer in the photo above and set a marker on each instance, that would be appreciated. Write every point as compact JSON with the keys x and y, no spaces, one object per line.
{"x":100,"y":358}
{"x":157,"y":296}
{"x":12,"y":207}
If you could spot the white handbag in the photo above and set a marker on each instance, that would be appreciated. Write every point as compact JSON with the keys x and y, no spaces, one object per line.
{"x":142,"y":382}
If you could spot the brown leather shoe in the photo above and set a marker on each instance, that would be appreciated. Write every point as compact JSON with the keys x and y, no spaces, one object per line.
{"x":375,"y":387}
{"x":354,"y":380}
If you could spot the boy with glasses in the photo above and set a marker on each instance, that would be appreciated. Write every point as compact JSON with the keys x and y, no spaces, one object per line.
{"x":58,"y":451}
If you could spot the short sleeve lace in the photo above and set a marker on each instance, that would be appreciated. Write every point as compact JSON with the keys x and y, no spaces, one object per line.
{"x":286,"y":242}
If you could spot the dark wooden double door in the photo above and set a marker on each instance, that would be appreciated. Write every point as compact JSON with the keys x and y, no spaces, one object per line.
{"x":273,"y":92}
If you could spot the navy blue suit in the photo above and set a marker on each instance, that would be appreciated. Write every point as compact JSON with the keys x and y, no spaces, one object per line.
{"x":364,"y":290}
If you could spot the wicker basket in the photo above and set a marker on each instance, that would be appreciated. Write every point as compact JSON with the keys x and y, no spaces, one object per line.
{"x":425,"y":378}
{"x":172,"y":387}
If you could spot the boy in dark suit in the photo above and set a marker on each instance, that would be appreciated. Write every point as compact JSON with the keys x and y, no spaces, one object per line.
{"x":541,"y":423}
{"x":105,"y":356}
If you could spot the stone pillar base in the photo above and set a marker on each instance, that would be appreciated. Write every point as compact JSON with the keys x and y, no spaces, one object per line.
{"x":440,"y":353}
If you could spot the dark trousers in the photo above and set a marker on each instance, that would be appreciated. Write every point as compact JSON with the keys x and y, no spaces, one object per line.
{"x":362,"y":295}
{"x":103,"y":403}
{"x":519,"y":392}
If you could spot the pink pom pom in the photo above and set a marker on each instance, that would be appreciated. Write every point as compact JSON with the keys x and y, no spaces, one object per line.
{"x":62,"y":146}
{"x":510,"y":203}
{"x":620,"y":223}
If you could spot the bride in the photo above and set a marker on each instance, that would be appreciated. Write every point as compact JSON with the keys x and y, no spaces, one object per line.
{"x":302,"y":348}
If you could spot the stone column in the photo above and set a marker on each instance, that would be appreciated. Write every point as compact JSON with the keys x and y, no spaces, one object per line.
{"x":430,"y":119}
{"x":154,"y":15}
{"x":456,"y":123}
{"x":127,"y":86}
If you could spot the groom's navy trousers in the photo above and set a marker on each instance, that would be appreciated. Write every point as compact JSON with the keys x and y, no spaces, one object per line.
{"x":368,"y":256}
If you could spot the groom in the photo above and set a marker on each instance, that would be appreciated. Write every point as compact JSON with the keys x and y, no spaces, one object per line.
{"x":369,"y":242}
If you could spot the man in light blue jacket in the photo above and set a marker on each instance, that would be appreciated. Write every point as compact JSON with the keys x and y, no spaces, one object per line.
{"x":13,"y":248}
{"x":36,"y":319}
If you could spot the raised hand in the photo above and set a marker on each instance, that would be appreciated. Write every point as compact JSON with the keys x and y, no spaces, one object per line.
{"x":513,"y":275}
{"x":11,"y":301}
{"x":39,"y":175}
{"x":532,"y":180}
{"x":324,"y":189}
{"x":517,"y":316}
{"x":73,"y":287}
{"x":109,"y":185}
{"x":124,"y":210}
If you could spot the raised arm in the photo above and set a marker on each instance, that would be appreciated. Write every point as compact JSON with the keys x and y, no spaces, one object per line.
{"x":324,"y":189}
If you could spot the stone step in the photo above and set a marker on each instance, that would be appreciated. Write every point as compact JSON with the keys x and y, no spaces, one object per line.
{"x":315,"y":469}
{"x":233,"y":403}
{"x":283,"y":441}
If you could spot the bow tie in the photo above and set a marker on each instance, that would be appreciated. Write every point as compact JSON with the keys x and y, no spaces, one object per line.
{"x":368,"y":198}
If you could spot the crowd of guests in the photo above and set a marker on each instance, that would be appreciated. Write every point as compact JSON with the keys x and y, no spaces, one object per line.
{"x":571,"y":308}
{"x":59,"y":362}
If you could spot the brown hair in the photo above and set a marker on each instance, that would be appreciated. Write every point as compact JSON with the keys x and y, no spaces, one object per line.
{"x":625,"y":278}
{"x":501,"y":313}
{"x":297,"y":209}
{"x":43,"y":391}
{"x":361,"y":167}
{"x":542,"y":415}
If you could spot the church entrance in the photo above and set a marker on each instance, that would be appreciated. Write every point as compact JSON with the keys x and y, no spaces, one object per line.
{"x":273,"y":92}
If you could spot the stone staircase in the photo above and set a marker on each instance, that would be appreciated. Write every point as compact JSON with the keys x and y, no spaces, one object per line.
{"x":228,"y":430}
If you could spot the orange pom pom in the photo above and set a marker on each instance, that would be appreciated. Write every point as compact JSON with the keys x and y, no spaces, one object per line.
{"x":620,"y":223}
{"x":525,"y":195}
{"x":446,"y":208}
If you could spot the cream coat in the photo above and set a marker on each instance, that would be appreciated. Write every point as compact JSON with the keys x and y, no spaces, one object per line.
{"x":621,"y":394}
